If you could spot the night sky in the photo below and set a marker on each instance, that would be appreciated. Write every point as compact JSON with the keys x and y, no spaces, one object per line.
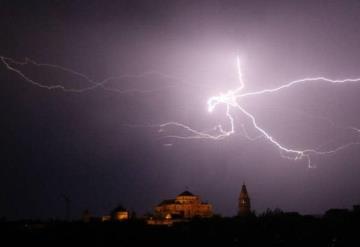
{"x":55,"y":143}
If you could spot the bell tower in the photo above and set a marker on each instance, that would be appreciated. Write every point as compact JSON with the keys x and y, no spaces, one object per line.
{"x":244,"y":202}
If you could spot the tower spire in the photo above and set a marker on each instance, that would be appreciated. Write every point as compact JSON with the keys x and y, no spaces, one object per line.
{"x":244,"y":201}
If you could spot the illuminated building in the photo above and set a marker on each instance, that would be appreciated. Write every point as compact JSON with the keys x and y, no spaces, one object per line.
{"x":244,"y":202}
{"x":119,"y":214}
{"x":105,"y":218}
{"x":184,"y":206}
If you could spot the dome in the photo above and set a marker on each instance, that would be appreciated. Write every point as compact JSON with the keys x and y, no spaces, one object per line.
{"x":186,"y":193}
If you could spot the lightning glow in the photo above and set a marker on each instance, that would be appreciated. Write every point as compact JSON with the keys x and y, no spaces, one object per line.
{"x":229,"y":99}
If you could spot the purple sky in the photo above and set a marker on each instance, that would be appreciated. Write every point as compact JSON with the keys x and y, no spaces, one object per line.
{"x":55,"y":143}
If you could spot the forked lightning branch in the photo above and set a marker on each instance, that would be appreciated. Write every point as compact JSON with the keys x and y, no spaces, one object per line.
{"x":230,"y":99}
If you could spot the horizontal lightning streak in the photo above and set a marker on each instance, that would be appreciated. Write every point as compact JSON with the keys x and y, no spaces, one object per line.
{"x":93,"y":84}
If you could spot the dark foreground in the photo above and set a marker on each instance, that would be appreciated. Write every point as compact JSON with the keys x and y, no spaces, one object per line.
{"x":336,"y":228}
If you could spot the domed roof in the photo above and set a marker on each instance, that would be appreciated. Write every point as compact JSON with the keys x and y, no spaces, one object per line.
{"x":186,"y":193}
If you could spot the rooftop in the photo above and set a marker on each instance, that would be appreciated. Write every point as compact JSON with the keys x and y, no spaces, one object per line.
{"x":186,"y":193}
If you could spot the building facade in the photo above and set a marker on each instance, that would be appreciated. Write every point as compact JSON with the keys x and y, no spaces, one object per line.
{"x":119,"y":214}
{"x":184,"y":206}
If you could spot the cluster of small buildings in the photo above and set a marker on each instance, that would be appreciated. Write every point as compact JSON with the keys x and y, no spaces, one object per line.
{"x":184,"y":207}
{"x":117,"y":214}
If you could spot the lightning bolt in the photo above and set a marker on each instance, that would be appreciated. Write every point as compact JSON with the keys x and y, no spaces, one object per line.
{"x":231,"y":101}
{"x":13,"y":65}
